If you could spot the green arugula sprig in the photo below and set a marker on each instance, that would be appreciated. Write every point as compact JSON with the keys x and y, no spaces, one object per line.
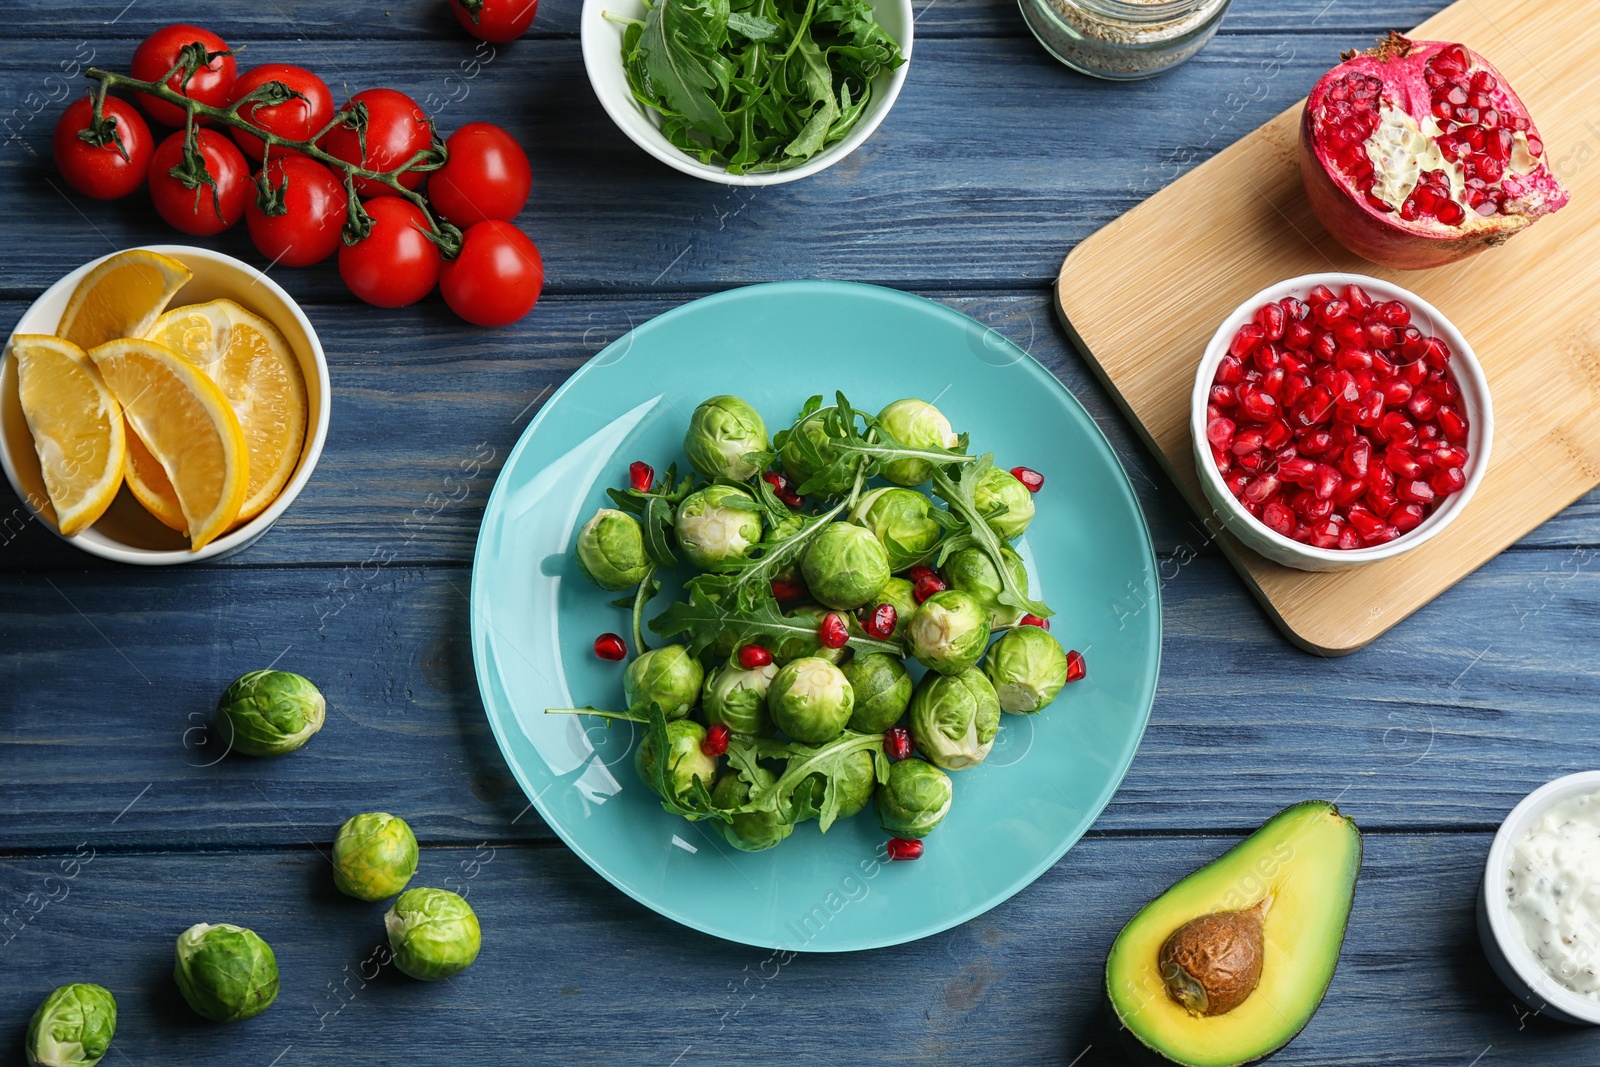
{"x":758,"y":85}
{"x":854,"y":445}
{"x":960,"y":495}
{"x":693,"y":803}
{"x":784,"y":797}
{"x":655,"y":510}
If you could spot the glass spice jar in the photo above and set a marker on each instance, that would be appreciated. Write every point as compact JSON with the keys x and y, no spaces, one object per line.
{"x":1123,"y":39}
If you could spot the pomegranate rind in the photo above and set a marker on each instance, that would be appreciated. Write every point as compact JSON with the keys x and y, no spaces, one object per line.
{"x":1384,"y":237}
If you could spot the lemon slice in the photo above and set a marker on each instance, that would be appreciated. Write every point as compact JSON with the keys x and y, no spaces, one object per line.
{"x":251,"y":361}
{"x":188,"y":426}
{"x":150,"y":486}
{"x":121,"y":297}
{"x":77,"y":428}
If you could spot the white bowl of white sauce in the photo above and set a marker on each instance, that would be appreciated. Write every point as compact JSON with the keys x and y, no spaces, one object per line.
{"x":1539,"y":904}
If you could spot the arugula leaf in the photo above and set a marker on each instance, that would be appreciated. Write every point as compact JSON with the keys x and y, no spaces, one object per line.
{"x":680,"y":49}
{"x":704,"y":620}
{"x":802,"y":762}
{"x":655,"y":511}
{"x":754,"y":27}
{"x":693,"y":803}
{"x":960,"y":496}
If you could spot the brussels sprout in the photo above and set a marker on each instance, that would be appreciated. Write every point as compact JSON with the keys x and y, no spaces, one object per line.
{"x":1027,"y":668}
{"x":845,"y":566}
{"x":610,"y":550}
{"x":685,"y":759}
{"x":722,"y":432}
{"x":882,"y":690}
{"x":433,"y":932}
{"x":914,"y":800}
{"x":749,"y":831}
{"x":899,"y":519}
{"x":667,"y":676}
{"x":857,"y":777}
{"x":225,"y":972}
{"x":782,"y":531}
{"x":716,"y":526}
{"x":901,"y":595}
{"x":811,"y":701}
{"x":806,"y":443}
{"x":72,"y":1027}
{"x":916,"y":424}
{"x":269,"y":713}
{"x":998,"y":487}
{"x":949,"y":631}
{"x":798,"y":646}
{"x":374,"y":856}
{"x":737,"y":698}
{"x":954,"y":718}
{"x":972,"y":571}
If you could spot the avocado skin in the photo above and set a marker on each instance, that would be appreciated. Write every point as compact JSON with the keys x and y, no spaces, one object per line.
{"x":1141,"y":1052}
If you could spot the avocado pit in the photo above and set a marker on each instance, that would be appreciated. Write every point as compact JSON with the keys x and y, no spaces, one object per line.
{"x":1212,"y":964}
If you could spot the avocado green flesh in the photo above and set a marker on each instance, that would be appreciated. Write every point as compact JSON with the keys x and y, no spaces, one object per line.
{"x":1306,"y":859}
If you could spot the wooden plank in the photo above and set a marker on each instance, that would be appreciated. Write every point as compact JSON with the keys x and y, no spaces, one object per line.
{"x":1147,"y":337}
{"x":994,"y":159}
{"x":1446,"y":723}
{"x":572,"y":972}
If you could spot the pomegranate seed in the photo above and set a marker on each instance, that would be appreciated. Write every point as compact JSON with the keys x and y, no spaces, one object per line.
{"x":716,"y":742}
{"x":1297,"y":337}
{"x":1076,"y":667}
{"x":1230,"y":371}
{"x":1245,"y":341}
{"x":753,"y":657}
{"x":1223,"y":460}
{"x":904,"y":848}
{"x":1356,"y":456}
{"x":786,"y":592}
{"x":1416,"y":491}
{"x":641,"y":476}
{"x":1350,"y":490}
{"x":1319,"y":295}
{"x":610,"y":646}
{"x":1407,"y":517}
{"x":1358,"y":300}
{"x":1272,"y":319}
{"x":1248,"y":442}
{"x":1453,"y":425}
{"x":1032,"y":479}
{"x":1258,"y":404}
{"x":880,"y":623}
{"x":924,"y":587}
{"x":834,"y":632}
{"x":897,"y":743}
{"x":1450,"y":456}
{"x":1034,"y":620}
{"x":1330,"y":312}
{"x":1349,"y":539}
{"x":1364,"y":521}
{"x":1324,"y":481}
{"x":1278,"y":517}
{"x":1297,"y":310}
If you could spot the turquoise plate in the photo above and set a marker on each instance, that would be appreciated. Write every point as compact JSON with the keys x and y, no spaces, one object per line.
{"x":534,"y":617}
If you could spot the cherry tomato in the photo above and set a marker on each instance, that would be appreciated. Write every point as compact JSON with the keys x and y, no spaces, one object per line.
{"x":486,"y":177}
{"x":197,"y":208}
{"x":498,"y":21}
{"x":397,"y":129}
{"x":160,"y":52}
{"x":311,"y":222}
{"x":396,"y":263}
{"x":111,"y":169}
{"x":497,"y":278}
{"x":298,"y":120}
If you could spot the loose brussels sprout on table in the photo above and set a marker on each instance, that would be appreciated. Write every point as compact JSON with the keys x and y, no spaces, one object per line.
{"x":269,"y":713}
{"x":72,"y":1027}
{"x":914,"y":800}
{"x":954,"y":718}
{"x":737,"y":698}
{"x":811,"y":700}
{"x":668,"y":677}
{"x":916,"y":424}
{"x":717,"y":525}
{"x":433,"y":933}
{"x":374,"y":856}
{"x":845,"y":566}
{"x":225,"y":972}
{"x":972,"y":571}
{"x":750,"y":831}
{"x":949,"y":631}
{"x":882,"y":689}
{"x":1028,"y":668}
{"x":686,"y":759}
{"x":611,"y":550}
{"x":901,"y":521}
{"x":1000,"y":487}
{"x":722,"y":432}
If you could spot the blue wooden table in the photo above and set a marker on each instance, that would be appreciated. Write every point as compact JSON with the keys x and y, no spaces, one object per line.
{"x":995,"y":161}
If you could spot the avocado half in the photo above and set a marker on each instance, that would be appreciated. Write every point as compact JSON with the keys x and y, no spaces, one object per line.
{"x":1305,"y":859}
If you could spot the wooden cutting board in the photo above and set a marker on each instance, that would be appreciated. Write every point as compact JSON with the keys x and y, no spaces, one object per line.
{"x":1142,"y":298}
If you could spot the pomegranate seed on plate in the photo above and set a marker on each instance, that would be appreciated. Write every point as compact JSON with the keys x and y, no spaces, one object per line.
{"x":716,"y":742}
{"x":881,"y":621}
{"x":897,"y":742}
{"x":753,"y":657}
{"x":925,"y":583}
{"x":641,"y":476}
{"x":786,"y":592}
{"x":834,"y":631}
{"x":904,"y":848}
{"x":610,"y":646}
{"x":1076,"y":667}
{"x":1034,"y":620}
{"x":1028,"y":477}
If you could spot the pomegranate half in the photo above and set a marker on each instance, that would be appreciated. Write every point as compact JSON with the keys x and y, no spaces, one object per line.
{"x":1418,"y":153}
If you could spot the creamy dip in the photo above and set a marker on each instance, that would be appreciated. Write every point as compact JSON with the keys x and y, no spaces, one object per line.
{"x":1554,"y":891}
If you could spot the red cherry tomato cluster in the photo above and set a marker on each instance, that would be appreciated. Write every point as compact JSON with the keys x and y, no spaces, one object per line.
{"x":298,"y":208}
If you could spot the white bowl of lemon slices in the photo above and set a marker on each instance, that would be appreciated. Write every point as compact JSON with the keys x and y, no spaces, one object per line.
{"x":162,"y":405}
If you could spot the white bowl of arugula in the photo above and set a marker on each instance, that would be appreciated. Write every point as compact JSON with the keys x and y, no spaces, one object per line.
{"x":747,"y":92}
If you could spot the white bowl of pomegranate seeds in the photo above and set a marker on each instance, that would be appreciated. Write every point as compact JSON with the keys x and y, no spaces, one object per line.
{"x":1338,"y":420}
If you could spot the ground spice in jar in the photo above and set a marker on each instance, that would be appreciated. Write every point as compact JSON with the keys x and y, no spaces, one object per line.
{"x":1123,"y":39}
